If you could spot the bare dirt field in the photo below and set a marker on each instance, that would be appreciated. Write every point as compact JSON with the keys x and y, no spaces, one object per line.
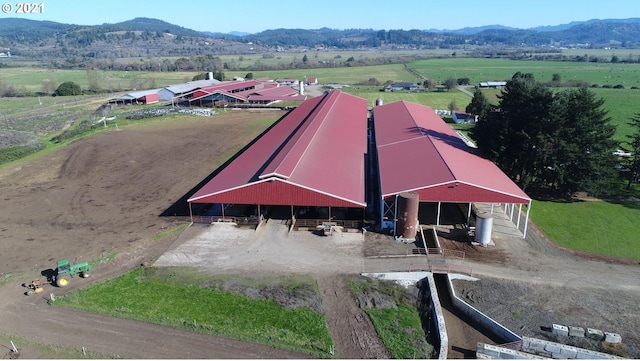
{"x":109,"y":194}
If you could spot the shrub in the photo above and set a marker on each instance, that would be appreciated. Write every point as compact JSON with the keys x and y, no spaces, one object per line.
{"x":68,"y":88}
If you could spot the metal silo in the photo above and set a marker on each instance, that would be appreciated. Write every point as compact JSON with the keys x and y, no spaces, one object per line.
{"x":408,"y":204}
{"x":484,"y":223}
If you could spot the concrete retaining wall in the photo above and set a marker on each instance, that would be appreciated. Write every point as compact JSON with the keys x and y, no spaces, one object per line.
{"x":479,"y":317}
{"x":492,"y":352}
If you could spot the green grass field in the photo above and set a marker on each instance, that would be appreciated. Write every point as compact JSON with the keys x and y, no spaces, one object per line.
{"x":166,"y":297}
{"x":436,"y":100}
{"x":599,"y":227}
{"x":478,"y":70}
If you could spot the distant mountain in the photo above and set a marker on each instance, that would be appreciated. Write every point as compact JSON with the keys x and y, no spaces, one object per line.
{"x":145,"y":37}
{"x":575,"y":23}
{"x":475,"y":30}
{"x":151,"y":25}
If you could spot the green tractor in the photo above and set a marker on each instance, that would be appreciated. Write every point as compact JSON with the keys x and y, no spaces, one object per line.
{"x":64,"y":271}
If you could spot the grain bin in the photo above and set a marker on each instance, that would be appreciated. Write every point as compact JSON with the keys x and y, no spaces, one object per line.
{"x":408,"y":204}
{"x":484,"y":223}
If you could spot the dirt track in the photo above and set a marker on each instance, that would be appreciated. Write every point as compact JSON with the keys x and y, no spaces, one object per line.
{"x":105,"y":195}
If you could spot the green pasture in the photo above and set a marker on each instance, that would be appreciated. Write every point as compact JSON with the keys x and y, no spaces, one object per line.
{"x":337,"y":75}
{"x":33,"y":78}
{"x":621,"y":105}
{"x":433,"y":99}
{"x":479,"y":70}
{"x":600,"y":227}
{"x":166,"y":297}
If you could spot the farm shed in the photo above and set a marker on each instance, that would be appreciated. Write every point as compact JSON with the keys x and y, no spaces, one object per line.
{"x":418,"y":152}
{"x":172,"y":91}
{"x":141,"y":97}
{"x":312,"y":157}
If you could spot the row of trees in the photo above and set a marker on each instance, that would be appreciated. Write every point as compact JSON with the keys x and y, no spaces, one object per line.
{"x":553,"y":142}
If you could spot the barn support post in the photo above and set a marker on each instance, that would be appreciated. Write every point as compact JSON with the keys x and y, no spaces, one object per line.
{"x":519,"y":212}
{"x":190,"y":212}
{"x":329,"y":213}
{"x":438,"y":214}
{"x":469,"y":216}
{"x":292,"y":212}
{"x":222,"y":207}
{"x":395,"y":215}
{"x":491,"y":208}
{"x":526,"y":220}
{"x":513,"y":206}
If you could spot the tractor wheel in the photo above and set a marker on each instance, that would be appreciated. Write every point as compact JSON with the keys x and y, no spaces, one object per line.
{"x":62,"y":281}
{"x":84,"y":274}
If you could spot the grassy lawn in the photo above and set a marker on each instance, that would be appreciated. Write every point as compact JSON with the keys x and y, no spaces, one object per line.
{"x":166,"y":298}
{"x":599,"y":227}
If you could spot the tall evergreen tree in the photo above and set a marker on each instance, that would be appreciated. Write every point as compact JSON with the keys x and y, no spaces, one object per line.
{"x":633,"y":140}
{"x":479,"y":104}
{"x":582,"y":143}
{"x":560,"y":141}
{"x":513,"y":135}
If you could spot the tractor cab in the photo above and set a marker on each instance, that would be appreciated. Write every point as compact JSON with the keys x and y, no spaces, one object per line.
{"x":63,"y":266}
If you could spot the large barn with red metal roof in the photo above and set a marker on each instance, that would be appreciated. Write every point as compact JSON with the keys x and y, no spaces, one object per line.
{"x":331,"y":152}
{"x":418,"y":152}
{"x":312,"y":157}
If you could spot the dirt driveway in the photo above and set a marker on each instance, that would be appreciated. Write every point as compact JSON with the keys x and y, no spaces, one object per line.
{"x":107,"y":194}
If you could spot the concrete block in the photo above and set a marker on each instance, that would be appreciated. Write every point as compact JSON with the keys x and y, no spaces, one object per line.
{"x":612,"y":337}
{"x":576,"y":331}
{"x":507,"y":356}
{"x":561,"y":330}
{"x":587,"y":355}
{"x":568,"y":351}
{"x":595,"y":334}
{"x":552,"y":347}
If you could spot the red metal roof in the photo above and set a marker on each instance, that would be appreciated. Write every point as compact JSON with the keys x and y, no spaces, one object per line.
{"x":418,"y":151}
{"x":313,"y":156}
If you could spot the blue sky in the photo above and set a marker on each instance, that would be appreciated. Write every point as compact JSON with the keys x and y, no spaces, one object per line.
{"x":258,"y":15}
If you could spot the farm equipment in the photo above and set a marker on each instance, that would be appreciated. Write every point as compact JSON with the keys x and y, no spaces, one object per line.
{"x":65,"y":270}
{"x":34,"y":287}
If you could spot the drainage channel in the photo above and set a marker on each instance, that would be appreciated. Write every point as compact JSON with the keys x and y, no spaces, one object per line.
{"x":463,"y":332}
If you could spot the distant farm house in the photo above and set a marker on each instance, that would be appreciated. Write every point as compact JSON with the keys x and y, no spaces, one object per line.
{"x":5,"y":53}
{"x":463,"y":118}
{"x":401,"y":86}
